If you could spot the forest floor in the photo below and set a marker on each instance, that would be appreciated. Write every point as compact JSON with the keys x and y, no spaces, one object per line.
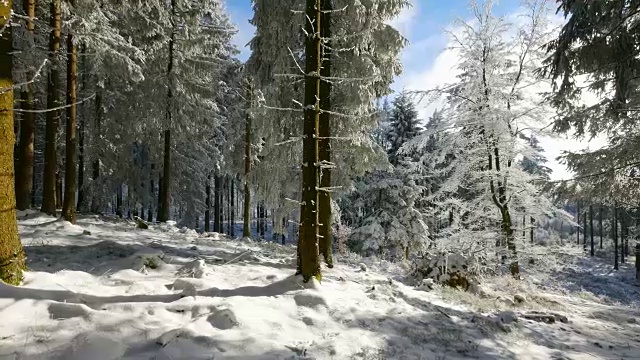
{"x":103,"y":290}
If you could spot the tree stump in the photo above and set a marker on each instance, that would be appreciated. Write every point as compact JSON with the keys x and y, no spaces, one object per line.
{"x":141,"y":224}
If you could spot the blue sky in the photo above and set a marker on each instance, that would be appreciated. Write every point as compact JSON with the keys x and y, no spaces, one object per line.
{"x":422,"y":24}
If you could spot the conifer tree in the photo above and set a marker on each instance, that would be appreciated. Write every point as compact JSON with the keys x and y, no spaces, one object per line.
{"x":404,"y":125}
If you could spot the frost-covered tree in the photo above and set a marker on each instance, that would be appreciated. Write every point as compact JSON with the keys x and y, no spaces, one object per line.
{"x":404,"y":125}
{"x":487,"y":109}
{"x":596,"y":51}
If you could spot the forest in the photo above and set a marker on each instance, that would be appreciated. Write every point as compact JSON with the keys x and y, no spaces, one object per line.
{"x":138,"y":148}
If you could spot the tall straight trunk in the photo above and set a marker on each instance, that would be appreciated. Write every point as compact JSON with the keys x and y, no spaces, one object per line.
{"x":119,"y":210}
{"x":578,"y":221}
{"x":232,"y":220}
{"x":284,"y":230}
{"x":81,"y":133}
{"x":308,"y":255}
{"x":600,"y":220}
{"x":324,"y":145}
{"x":207,"y":201}
{"x":96,"y":197}
{"x":12,"y":257}
{"x":160,"y":186}
{"x":626,"y":234}
{"x":70,"y":184}
{"x":246,"y":230}
{"x":217,"y":225}
{"x":166,"y":169}
{"x":58,"y":189}
{"x":623,"y":236}
{"x":593,"y":249}
{"x":24,"y":170}
{"x":524,"y":228}
{"x":53,"y":102}
{"x":584,"y":235}
{"x":229,"y":199}
{"x":152,"y":195}
{"x":261,"y":220}
{"x":614,"y":227}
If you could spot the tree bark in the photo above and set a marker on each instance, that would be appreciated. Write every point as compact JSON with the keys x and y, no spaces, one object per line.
{"x":578,"y":221}
{"x":308,"y":252}
{"x":160,"y":186}
{"x":152,"y":194}
{"x":25,"y":155}
{"x":12,"y":256}
{"x":70,"y":185}
{"x":207,"y":212}
{"x":600,"y":220}
{"x":246,"y":229}
{"x":614,"y":227}
{"x":53,"y":116}
{"x":324,"y":144}
{"x":166,"y":175}
{"x":232,"y":219}
{"x":584,"y":235}
{"x":58,"y":188}
{"x":81,"y":133}
{"x":531,"y":230}
{"x":217,"y":225}
{"x":593,"y":249}
{"x":96,"y":197}
{"x":119,"y":210}
{"x":622,"y":236}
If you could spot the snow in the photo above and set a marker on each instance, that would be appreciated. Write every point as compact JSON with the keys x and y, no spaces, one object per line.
{"x":127,"y":293}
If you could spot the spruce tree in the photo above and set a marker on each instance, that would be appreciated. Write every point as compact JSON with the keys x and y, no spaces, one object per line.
{"x":404,"y":125}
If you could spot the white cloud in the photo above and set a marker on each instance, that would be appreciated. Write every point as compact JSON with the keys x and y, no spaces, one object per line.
{"x":404,"y":22}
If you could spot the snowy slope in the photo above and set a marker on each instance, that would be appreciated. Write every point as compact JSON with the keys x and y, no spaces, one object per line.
{"x":105,"y":290}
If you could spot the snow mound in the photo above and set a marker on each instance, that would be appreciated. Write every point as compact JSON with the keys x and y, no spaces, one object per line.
{"x":63,"y":311}
{"x":223,"y":319}
{"x":94,"y":346}
{"x":195,"y":269}
{"x":310,"y":298}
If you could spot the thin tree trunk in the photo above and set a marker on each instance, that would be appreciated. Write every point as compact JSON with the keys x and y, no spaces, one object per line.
{"x":584,"y":235}
{"x":217,"y":225}
{"x":152,"y":195}
{"x":81,"y":133}
{"x":119,"y":209}
{"x":70,"y":185}
{"x":524,"y":228}
{"x":284,"y":230}
{"x":207,"y":212}
{"x":164,"y":198}
{"x":532,"y":228}
{"x":578,"y":220}
{"x":229,"y":199}
{"x":261,"y":220}
{"x":324,"y":145}
{"x":12,"y":257}
{"x":600,"y":220}
{"x":593,"y":250}
{"x":53,"y":86}
{"x":232,"y":220}
{"x":160,"y":186}
{"x":622,"y":236}
{"x":308,"y":255}
{"x":246,"y":230}
{"x":614,"y":227}
{"x":96,"y":195}
{"x":58,"y":189}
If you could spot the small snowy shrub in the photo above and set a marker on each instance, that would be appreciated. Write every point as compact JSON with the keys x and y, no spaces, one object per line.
{"x":444,"y":268}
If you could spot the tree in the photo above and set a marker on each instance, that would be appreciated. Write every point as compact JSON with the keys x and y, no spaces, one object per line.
{"x":487,"y":110}
{"x":53,"y":114}
{"x":12,"y":257}
{"x":70,"y":184}
{"x":404,"y":126}
{"x":595,"y":51}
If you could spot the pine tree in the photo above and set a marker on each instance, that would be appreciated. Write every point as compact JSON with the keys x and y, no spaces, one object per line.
{"x":12,"y":257}
{"x":49,"y":189}
{"x":404,"y":125}
{"x":69,"y":206}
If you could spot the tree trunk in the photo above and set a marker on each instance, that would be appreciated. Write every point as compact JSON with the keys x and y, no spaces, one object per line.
{"x":70,"y":185}
{"x":524,"y":228}
{"x":81,"y":133}
{"x":600,"y":220}
{"x":622,"y":236}
{"x":96,"y":195}
{"x":207,"y":212}
{"x":584,"y":235}
{"x":217,"y":225}
{"x":324,"y":144}
{"x":152,"y":195}
{"x":160,"y":186}
{"x":261,"y":220}
{"x":593,"y":249}
{"x":119,"y":209}
{"x":637,"y":262}
{"x":166,"y":175}
{"x":532,"y":228}
{"x":308,"y":255}
{"x":246,"y":230}
{"x":12,"y":257}
{"x":58,"y":189}
{"x":578,"y":221}
{"x":229,"y":199}
{"x":232,"y":220}
{"x":284,"y":230}
{"x":53,"y":102}
{"x":514,"y":266}
{"x":614,"y":227}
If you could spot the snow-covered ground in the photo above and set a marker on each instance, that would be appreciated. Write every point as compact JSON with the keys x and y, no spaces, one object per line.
{"x":103,"y":290}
